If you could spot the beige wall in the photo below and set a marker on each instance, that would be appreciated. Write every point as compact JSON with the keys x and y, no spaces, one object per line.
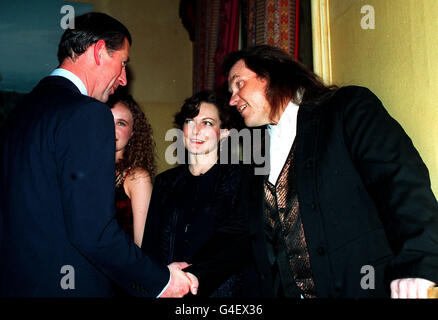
{"x":160,"y":69}
{"x":398,"y":61}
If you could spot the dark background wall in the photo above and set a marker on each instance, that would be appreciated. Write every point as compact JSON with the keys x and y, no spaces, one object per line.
{"x":29,"y":37}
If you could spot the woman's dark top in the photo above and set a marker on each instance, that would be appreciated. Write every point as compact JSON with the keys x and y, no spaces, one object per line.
{"x":123,"y":208}
{"x":192,"y":228}
{"x":186,"y":211}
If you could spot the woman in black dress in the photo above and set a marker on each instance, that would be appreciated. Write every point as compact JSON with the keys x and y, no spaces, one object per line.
{"x":193,"y":201}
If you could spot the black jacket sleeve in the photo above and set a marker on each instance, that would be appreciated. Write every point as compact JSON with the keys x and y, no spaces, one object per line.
{"x":398,"y":181}
{"x":152,"y":231}
{"x":86,"y":178}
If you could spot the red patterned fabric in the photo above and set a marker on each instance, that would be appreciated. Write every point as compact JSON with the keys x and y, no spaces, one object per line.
{"x":273,"y":22}
{"x":228,"y":37}
{"x":213,"y":25}
{"x":216,"y":33}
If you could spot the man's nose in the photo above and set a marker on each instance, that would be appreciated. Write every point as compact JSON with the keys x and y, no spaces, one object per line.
{"x":234,"y":99}
{"x":122,"y":79}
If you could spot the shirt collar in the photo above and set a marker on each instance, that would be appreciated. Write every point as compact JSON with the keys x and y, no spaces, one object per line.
{"x":72,"y":77}
{"x":287,"y":121}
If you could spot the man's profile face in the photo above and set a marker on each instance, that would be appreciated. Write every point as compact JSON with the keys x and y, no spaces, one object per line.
{"x":248,"y":94}
{"x":112,"y":72}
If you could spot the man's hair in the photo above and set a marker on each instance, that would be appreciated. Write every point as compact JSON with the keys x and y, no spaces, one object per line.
{"x":287,"y":78}
{"x":90,"y":28}
{"x":190,"y":109}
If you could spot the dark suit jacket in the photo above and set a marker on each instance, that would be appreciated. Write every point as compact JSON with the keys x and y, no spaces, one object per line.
{"x":365,"y":200}
{"x":57,"y":202}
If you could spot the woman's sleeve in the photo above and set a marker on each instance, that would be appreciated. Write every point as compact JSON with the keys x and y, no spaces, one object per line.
{"x":151,"y":235}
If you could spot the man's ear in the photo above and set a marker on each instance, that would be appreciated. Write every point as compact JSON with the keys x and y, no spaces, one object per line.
{"x":99,"y":48}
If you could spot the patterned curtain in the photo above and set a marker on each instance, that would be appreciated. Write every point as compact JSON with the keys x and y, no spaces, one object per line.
{"x":273,"y":22}
{"x":213,"y":26}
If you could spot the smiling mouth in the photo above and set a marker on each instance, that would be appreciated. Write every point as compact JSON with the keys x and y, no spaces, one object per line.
{"x":241,"y":108}
{"x":196,"y":141}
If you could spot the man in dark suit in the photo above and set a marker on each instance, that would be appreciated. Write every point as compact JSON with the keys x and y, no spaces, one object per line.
{"x":346,"y":209}
{"x":59,"y":237}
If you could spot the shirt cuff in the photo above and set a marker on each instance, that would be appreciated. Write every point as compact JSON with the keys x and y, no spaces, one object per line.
{"x":170,"y":278}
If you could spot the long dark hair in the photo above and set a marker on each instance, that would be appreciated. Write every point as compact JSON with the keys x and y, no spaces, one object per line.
{"x":287,"y":78}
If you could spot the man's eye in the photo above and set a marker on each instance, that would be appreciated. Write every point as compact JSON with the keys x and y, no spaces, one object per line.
{"x":239,"y":84}
{"x":188,"y":121}
{"x":208,"y":123}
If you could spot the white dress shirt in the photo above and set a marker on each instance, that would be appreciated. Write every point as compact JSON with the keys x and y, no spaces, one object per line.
{"x":282,"y":136}
{"x":72,"y":77}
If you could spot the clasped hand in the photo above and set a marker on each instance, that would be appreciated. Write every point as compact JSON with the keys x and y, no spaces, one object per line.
{"x":181,"y":282}
{"x":410,"y":288}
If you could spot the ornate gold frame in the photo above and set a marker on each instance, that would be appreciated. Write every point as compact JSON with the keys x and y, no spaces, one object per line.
{"x":322,"y":62}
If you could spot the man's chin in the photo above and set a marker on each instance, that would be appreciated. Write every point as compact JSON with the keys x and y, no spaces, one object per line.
{"x":103,"y":98}
{"x":105,"y":95}
{"x":198,"y":152}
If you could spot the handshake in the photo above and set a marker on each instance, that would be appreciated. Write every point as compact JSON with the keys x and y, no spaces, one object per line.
{"x":180,"y":282}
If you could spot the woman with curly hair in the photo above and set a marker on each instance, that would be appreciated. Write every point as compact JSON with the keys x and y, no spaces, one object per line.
{"x":135,"y":165}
